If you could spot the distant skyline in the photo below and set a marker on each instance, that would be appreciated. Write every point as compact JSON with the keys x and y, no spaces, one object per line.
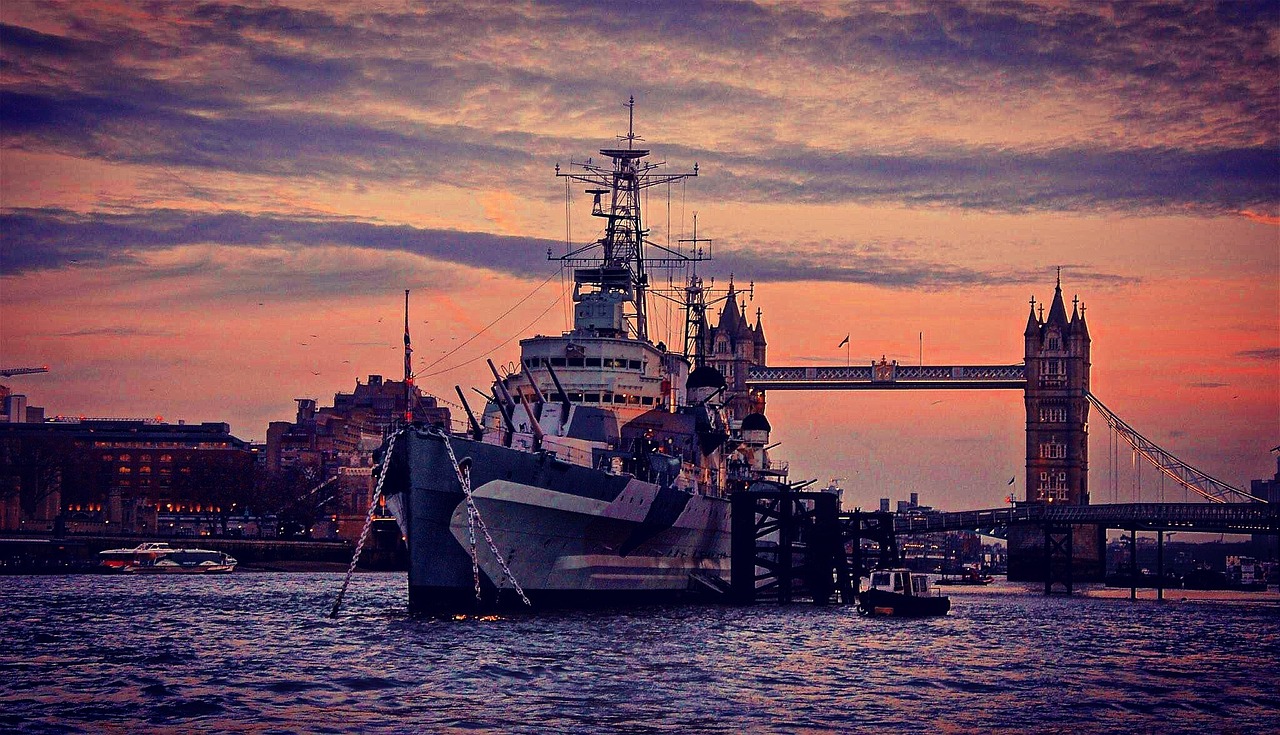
{"x":208,"y":210}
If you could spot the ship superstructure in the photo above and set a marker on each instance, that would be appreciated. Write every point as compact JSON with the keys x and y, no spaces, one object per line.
{"x":600,"y":465}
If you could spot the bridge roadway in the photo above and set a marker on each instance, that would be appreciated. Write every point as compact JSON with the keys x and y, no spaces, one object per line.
{"x":1244,"y":518}
{"x":887,"y":375}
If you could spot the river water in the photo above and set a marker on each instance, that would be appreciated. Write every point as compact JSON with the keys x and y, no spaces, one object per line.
{"x":257,"y":653}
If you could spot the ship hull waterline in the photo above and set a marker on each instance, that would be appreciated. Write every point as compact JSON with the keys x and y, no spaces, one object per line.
{"x":570,"y":535}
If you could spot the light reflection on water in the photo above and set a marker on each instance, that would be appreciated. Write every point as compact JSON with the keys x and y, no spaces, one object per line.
{"x":257,"y":653}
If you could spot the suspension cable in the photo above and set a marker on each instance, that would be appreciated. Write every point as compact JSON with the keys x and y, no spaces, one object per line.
{"x":1177,"y":470}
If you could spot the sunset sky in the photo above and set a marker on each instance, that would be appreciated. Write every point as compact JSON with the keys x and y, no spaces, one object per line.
{"x":211,"y":209}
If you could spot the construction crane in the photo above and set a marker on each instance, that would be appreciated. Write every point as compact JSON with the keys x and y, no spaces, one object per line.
{"x":9,"y":372}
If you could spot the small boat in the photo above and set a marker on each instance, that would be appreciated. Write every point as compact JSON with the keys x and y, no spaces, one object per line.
{"x":901,"y":592}
{"x":161,"y":558}
{"x":967,"y":576}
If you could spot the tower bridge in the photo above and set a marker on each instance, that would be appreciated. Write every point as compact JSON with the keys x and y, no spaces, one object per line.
{"x":1054,"y":516}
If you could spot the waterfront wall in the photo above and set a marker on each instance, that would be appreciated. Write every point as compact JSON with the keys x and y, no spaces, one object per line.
{"x":45,"y":554}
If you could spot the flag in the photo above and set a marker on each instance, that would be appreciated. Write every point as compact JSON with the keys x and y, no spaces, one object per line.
{"x":843,"y":342}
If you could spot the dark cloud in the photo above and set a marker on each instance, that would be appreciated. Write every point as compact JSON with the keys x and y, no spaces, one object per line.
{"x":1207,"y":384}
{"x":42,"y":239}
{"x":278,"y":92}
{"x":1266,"y":354}
{"x":1002,"y":180}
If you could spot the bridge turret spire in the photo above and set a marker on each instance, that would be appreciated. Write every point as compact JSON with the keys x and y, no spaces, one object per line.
{"x":1033,"y":324}
{"x":1081,"y":329}
{"x":1058,"y":309}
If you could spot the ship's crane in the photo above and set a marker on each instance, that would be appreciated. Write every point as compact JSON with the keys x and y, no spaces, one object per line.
{"x":9,"y":372}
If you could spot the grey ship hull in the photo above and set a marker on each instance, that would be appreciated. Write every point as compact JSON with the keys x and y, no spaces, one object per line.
{"x":570,"y":535}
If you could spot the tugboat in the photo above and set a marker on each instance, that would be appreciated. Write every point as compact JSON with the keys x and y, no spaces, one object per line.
{"x":901,"y":592}
{"x":599,"y":470}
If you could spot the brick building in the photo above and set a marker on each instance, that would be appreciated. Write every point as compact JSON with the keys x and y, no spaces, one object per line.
{"x":333,"y":447}
{"x":118,"y":475}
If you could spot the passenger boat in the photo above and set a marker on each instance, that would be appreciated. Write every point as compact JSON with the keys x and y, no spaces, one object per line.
{"x":968,"y":576}
{"x":161,"y":558}
{"x":901,"y":592}
{"x":599,"y":470}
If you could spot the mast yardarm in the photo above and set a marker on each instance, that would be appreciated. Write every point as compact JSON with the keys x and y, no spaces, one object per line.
{"x":612,"y":269}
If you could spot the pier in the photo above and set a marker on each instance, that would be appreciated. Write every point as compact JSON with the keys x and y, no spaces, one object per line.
{"x":789,"y":544}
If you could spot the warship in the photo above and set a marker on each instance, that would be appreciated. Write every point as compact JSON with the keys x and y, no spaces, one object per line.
{"x":599,"y":470}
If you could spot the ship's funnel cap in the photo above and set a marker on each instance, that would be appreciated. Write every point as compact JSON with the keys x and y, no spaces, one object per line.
{"x":755,"y":422}
{"x":705,"y":377}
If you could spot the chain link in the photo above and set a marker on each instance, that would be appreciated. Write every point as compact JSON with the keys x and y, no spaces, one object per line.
{"x":473,"y":520}
{"x":471,"y":526}
{"x":368,"y":522}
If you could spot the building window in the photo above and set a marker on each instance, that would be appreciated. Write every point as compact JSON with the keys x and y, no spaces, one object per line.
{"x":124,"y":470}
{"x":1053,"y":487}
{"x":1053,"y":341}
{"x":1053,"y":450}
{"x":1053,"y":372}
{"x":1053,"y":414}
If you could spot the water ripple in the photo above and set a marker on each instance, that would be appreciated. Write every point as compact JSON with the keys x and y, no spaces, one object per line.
{"x":256,"y":653}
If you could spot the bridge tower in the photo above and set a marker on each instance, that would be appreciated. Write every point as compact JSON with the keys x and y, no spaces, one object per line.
{"x":736,"y":346}
{"x":1057,"y":404}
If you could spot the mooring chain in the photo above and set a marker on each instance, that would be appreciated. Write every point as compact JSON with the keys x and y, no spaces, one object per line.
{"x":471,"y":525}
{"x":474,"y":519}
{"x":368,"y":522}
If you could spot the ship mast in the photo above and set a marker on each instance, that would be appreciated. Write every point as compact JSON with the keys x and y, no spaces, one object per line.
{"x":408,"y":365}
{"x":615,"y":265}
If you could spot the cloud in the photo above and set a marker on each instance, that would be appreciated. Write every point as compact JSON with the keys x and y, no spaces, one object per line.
{"x":1074,"y":179}
{"x":37,"y":239}
{"x":1265,"y":354}
{"x":1178,"y":104}
{"x":117,"y":332}
{"x":1207,"y":385}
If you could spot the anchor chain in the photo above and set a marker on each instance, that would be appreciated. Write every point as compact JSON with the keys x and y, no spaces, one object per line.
{"x":475,"y":520}
{"x":368,"y":522}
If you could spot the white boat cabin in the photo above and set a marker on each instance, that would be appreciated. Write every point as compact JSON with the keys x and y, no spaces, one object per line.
{"x":901,"y":581}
